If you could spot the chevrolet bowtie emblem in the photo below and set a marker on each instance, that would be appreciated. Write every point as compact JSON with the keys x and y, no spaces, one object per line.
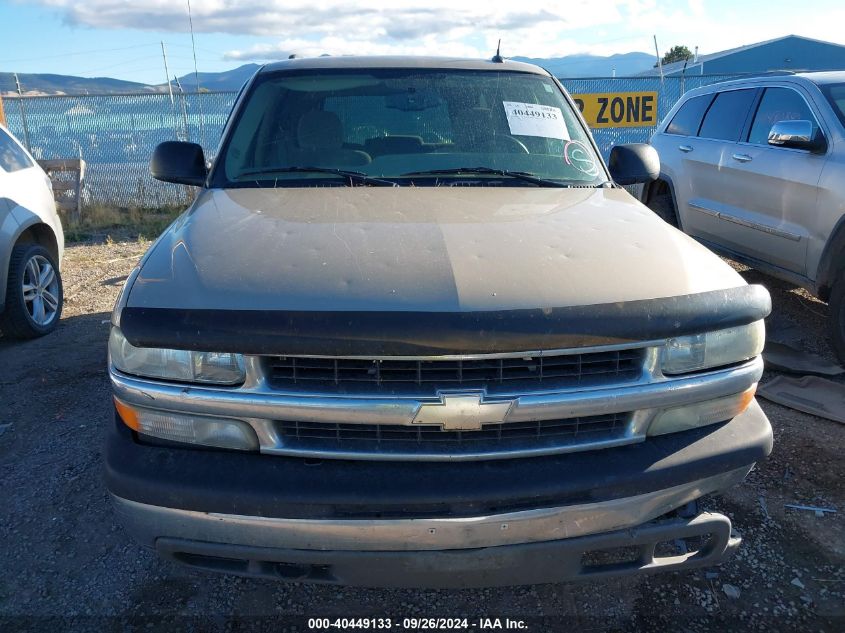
{"x":463,"y":412}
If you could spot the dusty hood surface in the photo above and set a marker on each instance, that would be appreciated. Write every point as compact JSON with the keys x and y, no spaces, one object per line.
{"x":426,"y":249}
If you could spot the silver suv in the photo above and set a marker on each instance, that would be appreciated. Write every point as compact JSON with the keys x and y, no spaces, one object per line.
{"x":755,"y":169}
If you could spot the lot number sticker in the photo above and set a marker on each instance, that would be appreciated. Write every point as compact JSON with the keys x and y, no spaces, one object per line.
{"x":618,"y":109}
{"x":532,"y":119}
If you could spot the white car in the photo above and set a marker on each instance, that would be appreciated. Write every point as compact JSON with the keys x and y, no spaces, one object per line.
{"x":31,"y":245}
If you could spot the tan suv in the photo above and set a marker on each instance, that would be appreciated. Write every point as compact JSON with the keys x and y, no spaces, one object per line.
{"x":411,"y":333}
{"x":754,"y":168}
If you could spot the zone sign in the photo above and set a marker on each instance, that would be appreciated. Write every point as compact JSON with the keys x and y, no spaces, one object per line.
{"x":618,"y":109}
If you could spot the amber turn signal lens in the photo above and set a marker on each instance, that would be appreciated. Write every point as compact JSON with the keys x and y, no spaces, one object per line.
{"x":130,"y":416}
{"x":748,"y":396}
{"x":188,"y":428}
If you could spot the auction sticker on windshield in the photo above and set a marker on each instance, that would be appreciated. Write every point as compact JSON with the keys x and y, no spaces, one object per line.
{"x":532,"y":119}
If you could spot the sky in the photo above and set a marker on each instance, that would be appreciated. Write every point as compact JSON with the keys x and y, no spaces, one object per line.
{"x":122,"y":38}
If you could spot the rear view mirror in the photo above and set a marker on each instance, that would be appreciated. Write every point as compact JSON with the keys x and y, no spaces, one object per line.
{"x":179,"y":162}
{"x":633,"y":163}
{"x":413,"y":100}
{"x":797,"y":134}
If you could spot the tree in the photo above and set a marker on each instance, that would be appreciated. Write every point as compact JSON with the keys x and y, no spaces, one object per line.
{"x":676,"y":54}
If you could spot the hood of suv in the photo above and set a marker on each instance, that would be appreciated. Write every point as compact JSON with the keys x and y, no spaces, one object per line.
{"x":428,"y":249}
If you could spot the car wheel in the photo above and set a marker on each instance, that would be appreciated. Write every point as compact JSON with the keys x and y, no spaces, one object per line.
{"x":837,"y":317}
{"x":33,"y":293}
{"x":664,"y":207}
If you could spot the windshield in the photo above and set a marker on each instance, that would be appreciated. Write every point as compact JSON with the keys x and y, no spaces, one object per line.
{"x":400,"y":125}
{"x":835,"y":94}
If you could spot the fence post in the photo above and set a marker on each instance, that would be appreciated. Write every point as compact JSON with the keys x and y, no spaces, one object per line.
{"x":23,"y":115}
{"x":184,"y":110}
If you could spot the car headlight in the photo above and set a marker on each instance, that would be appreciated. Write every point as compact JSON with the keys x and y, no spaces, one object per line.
{"x":188,"y":428}
{"x":684,"y":354}
{"x":698,"y":414}
{"x":175,"y":364}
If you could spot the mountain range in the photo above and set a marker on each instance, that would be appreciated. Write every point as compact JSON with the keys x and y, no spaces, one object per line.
{"x":36,"y":83}
{"x":575,"y":66}
{"x":570,"y":66}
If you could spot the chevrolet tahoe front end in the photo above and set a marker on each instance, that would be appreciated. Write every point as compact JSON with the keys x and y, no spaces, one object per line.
{"x":472,"y":377}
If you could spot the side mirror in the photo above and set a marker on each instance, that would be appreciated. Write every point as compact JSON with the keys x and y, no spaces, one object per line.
{"x":797,"y":134}
{"x":633,"y":163}
{"x":179,"y":162}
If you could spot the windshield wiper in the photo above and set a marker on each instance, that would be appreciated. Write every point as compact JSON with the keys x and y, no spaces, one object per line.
{"x":353,"y":176}
{"x":520,"y":175}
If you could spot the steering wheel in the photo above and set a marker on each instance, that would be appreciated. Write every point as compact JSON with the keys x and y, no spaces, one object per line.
{"x":513,"y":142}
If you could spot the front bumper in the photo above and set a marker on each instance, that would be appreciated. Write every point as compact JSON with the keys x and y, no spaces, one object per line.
{"x":436,"y":523}
{"x":618,"y":553}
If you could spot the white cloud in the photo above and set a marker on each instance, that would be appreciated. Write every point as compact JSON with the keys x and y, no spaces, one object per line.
{"x":290,"y":18}
{"x":469,"y":27}
{"x":451,"y":27}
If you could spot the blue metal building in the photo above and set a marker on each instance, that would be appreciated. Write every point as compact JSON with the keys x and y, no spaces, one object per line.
{"x":790,"y":53}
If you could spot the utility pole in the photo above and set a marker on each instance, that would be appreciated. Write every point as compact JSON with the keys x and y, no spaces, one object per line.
{"x":23,"y":115}
{"x":659,"y":61}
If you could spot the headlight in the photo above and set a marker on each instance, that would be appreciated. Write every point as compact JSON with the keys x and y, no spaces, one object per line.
{"x":188,"y":428}
{"x":175,"y":364}
{"x":713,"y":349}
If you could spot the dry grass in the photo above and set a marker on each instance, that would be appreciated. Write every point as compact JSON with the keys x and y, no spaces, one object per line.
{"x":104,"y":223}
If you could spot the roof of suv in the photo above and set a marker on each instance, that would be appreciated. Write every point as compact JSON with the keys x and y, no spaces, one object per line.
{"x":825,"y":77}
{"x":450,"y":63}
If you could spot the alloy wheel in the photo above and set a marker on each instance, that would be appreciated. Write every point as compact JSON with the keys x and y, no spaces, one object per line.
{"x":40,"y":290}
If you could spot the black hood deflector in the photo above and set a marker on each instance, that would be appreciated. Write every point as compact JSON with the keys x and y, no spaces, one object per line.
{"x":375,"y":334}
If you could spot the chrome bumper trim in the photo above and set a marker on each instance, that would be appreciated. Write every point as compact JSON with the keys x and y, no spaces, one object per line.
{"x":148,"y":523}
{"x":261,"y":407}
{"x":262,"y":403}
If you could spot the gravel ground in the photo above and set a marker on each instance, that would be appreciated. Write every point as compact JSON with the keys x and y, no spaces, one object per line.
{"x":67,"y":566}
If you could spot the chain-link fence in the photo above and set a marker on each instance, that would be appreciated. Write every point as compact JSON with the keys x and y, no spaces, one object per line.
{"x":116,"y":134}
{"x":669,"y":90}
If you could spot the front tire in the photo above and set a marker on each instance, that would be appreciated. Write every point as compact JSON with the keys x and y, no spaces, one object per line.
{"x":664,"y":207}
{"x":34,"y":293}
{"x":837,"y":317}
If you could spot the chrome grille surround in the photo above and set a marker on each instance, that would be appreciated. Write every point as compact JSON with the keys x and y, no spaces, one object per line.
{"x":269,"y":409}
{"x":491,"y":378}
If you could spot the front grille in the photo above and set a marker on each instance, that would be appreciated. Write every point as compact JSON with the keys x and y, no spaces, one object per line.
{"x":385,"y":439}
{"x":424,"y":377}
